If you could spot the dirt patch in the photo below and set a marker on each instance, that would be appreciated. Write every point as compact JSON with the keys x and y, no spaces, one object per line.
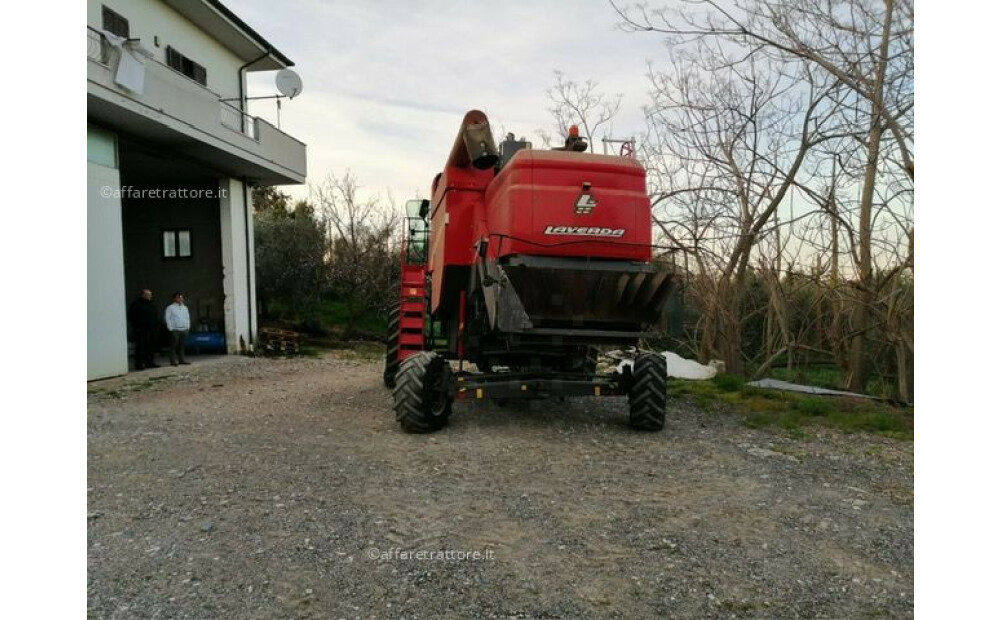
{"x":258,"y":488}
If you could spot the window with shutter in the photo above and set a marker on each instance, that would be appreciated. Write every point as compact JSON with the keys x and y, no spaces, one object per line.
{"x":173,"y":59}
{"x":183,"y":64}
{"x":113,"y":22}
{"x":199,"y":74}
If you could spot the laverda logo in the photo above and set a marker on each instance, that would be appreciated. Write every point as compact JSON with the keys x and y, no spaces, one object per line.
{"x":585,"y":231}
{"x":585,"y":204}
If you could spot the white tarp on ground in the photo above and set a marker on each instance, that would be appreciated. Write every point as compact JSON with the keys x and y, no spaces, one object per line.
{"x":775,"y":384}
{"x":680,"y":368}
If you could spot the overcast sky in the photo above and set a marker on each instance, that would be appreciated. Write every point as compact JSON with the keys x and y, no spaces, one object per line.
{"x":387,"y":82}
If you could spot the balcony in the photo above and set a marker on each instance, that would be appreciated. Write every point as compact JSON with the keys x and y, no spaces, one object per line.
{"x":98,"y":49}
{"x":181,"y":115}
{"x":239,"y":121}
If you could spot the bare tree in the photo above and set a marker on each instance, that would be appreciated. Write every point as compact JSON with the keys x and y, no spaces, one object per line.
{"x":363,"y":234}
{"x":724,"y":149}
{"x":865,"y":49}
{"x":580,"y":104}
{"x":866,"y":45}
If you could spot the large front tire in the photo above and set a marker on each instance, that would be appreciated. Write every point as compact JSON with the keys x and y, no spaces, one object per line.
{"x":391,"y":349}
{"x":421,"y":398}
{"x":647,"y":398}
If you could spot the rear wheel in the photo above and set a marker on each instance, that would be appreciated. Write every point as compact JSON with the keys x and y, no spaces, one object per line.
{"x":647,"y":398}
{"x":391,"y":349}
{"x":421,"y":397}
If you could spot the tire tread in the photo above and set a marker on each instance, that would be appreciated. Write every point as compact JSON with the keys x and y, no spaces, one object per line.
{"x":412,"y":395}
{"x":391,"y":349}
{"x":648,"y":394}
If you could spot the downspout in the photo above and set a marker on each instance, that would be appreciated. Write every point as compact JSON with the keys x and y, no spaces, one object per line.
{"x":240,"y":74}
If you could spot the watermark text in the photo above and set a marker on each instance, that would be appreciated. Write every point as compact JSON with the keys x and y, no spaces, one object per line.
{"x":162,"y":193}
{"x":442,"y":555}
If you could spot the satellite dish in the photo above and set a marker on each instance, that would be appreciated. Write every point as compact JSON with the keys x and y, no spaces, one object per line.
{"x":288,"y":82}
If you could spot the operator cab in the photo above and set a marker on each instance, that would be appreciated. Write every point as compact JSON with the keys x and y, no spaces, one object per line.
{"x":417,"y":231}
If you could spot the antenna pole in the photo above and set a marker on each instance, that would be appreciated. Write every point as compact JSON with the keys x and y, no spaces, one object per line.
{"x":254,"y":98}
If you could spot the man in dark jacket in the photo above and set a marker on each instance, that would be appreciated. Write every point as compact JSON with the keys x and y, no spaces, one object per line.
{"x":145,"y":321}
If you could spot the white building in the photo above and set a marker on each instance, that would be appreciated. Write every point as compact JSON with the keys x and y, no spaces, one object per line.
{"x":171,"y":159}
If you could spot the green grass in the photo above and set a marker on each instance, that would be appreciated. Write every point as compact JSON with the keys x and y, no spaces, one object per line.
{"x":813,"y":406}
{"x":334,"y":314}
{"x":365,"y":343}
{"x":727,"y":383}
{"x":793,"y":412}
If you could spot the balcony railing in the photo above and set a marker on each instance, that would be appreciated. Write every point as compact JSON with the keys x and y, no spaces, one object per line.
{"x":238,"y":120}
{"x":97,"y":47}
{"x":189,"y":107}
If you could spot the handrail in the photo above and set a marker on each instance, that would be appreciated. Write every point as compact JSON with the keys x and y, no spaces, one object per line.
{"x":97,"y":47}
{"x":230,"y":116}
{"x":239,"y":121}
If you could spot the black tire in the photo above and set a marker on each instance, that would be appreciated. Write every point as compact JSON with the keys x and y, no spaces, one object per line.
{"x":421,"y":397}
{"x":391,"y":349}
{"x":647,"y":398}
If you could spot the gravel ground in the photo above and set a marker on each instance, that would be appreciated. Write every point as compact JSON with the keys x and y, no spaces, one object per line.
{"x":253,"y":488}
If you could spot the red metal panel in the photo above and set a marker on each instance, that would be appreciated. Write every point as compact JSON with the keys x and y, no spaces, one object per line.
{"x":456,"y":213}
{"x":541,"y":189}
{"x":412,"y":322}
{"x":413,"y":277}
{"x":411,"y":308}
{"x":534,"y":207}
{"x":406,"y":338}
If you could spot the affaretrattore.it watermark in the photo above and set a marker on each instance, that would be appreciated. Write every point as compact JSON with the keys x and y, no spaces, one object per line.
{"x":445,"y":555}
{"x":161,"y":193}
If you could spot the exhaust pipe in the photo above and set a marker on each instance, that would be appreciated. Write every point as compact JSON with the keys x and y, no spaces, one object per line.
{"x":474,"y":143}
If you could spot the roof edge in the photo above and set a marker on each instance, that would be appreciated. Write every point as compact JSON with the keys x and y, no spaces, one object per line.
{"x":253,"y":34}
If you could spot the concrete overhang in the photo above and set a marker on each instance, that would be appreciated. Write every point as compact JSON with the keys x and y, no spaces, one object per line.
{"x":176,"y":115}
{"x":213,"y":17}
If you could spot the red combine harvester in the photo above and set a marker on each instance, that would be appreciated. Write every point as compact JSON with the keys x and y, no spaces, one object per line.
{"x":523,"y":263}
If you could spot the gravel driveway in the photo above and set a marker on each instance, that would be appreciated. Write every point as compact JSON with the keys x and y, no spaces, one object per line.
{"x":253,"y":488}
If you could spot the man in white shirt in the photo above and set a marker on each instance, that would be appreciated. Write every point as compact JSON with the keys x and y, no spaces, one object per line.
{"x":178,"y":322}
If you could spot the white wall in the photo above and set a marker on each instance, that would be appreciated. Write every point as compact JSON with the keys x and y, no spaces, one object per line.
{"x":107,"y":347}
{"x":238,"y":299}
{"x":150,"y":18}
{"x":183,"y":105}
